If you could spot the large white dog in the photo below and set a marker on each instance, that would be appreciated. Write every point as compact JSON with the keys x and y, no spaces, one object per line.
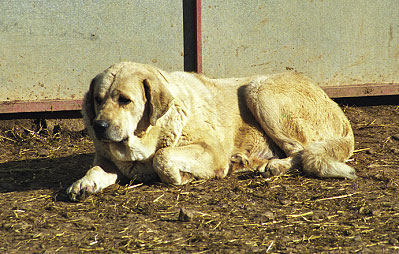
{"x":181,"y":126}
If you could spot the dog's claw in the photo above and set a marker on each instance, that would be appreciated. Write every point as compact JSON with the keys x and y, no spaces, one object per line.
{"x":73,"y":197}
{"x":240,"y":158}
{"x":81,"y":189}
{"x":76,"y":197}
{"x":267,"y":170}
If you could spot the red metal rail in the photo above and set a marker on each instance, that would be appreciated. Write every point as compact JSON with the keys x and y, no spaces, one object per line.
{"x":198,"y":35}
{"x":40,"y":106}
{"x":344,"y":91}
{"x":361,"y":90}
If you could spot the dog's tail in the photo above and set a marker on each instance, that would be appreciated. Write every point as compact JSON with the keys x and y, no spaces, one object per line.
{"x":327,"y":158}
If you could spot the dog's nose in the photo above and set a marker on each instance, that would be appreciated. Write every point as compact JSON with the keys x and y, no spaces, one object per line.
{"x":100,"y":126}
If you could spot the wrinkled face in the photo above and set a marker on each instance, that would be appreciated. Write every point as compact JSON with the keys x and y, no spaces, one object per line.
{"x":123,"y":106}
{"x":119,"y":103}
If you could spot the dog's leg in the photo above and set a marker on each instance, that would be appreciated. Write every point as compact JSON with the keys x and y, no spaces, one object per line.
{"x":276,"y":167}
{"x":180,"y":165}
{"x":96,"y":179}
{"x":301,"y":120}
{"x":267,"y":167}
{"x":266,"y":109}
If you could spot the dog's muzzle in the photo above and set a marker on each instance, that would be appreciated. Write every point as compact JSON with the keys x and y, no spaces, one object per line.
{"x":100,"y":129}
{"x":106,"y":133}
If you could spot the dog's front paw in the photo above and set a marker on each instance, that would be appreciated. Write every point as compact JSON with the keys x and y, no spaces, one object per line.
{"x":82,"y":188}
{"x":94,"y":181}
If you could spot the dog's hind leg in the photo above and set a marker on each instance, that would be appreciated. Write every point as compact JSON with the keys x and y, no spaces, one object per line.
{"x":302,"y":121}
{"x":267,"y":167}
{"x":266,"y":109}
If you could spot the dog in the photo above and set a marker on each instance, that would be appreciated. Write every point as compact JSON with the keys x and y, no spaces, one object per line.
{"x":148,"y":124}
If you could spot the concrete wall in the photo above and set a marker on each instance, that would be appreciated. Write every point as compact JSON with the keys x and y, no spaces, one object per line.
{"x":51,"y":49}
{"x":335,"y":42}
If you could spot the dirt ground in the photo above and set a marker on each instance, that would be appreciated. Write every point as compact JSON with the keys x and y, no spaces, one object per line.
{"x":242,"y":213}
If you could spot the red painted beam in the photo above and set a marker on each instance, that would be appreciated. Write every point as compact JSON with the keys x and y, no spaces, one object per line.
{"x":342,"y":91}
{"x":361,"y":90}
{"x":40,"y":106}
{"x":198,"y":36}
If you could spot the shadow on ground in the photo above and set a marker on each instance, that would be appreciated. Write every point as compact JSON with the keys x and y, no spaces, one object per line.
{"x":47,"y":173}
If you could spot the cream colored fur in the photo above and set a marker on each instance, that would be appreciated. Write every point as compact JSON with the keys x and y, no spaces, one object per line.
{"x":181,"y":126}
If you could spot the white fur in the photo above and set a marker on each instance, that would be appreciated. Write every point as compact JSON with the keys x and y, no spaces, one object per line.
{"x":317,"y":161}
{"x":182,"y":126}
{"x":94,"y":181}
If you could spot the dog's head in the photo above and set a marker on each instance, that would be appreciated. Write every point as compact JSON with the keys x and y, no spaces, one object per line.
{"x":125,"y":100}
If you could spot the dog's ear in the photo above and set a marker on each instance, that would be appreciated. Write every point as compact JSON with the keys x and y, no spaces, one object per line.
{"x":158,"y":97}
{"x":88,"y":110}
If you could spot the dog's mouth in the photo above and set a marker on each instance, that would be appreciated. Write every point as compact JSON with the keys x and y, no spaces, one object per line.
{"x":122,"y":141}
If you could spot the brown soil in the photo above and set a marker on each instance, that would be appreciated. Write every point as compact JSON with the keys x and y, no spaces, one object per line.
{"x":241,"y":213}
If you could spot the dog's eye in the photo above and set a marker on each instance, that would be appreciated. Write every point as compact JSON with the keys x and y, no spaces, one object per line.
{"x":123,"y":100}
{"x":98,"y":100}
